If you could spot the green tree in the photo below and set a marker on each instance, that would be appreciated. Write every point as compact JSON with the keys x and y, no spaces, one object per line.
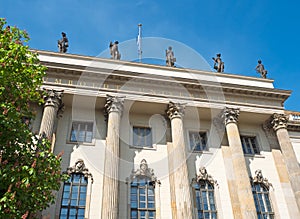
{"x":29,"y":172}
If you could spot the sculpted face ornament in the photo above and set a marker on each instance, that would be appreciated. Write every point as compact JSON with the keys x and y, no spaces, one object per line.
{"x":258,"y":178}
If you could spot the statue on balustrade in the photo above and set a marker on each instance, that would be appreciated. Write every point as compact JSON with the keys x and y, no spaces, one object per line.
{"x":170,"y":59}
{"x":114,"y":50}
{"x":218,"y":65}
{"x":63,"y":43}
{"x":260,"y":68}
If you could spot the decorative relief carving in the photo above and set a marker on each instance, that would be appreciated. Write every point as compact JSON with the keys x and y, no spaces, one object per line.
{"x":114,"y":104}
{"x":258,"y":178}
{"x":270,"y":133}
{"x":279,"y":121}
{"x":79,"y":167}
{"x":54,"y":98}
{"x":175,"y":110}
{"x":203,"y":175}
{"x":231,"y":115}
{"x":144,"y":171}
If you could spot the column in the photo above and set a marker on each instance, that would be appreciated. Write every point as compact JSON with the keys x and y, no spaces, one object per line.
{"x":279,"y":123}
{"x":114,"y":108}
{"x":52,"y":106}
{"x":244,"y":191}
{"x":179,"y":169}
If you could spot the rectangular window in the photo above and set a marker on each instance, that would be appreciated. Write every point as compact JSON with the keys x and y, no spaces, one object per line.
{"x":81,"y":132}
{"x":74,"y":197}
{"x":142,"y":137}
{"x":198,"y":141}
{"x":249,"y":145}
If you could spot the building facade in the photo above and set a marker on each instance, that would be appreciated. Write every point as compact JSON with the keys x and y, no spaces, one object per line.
{"x":148,"y":141}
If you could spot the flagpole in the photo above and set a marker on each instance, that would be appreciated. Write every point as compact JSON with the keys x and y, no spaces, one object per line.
{"x":139,"y":42}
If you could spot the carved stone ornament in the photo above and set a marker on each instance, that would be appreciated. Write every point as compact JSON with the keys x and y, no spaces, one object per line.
{"x":144,"y":171}
{"x":204,"y":176}
{"x":258,"y":178}
{"x":114,"y":104}
{"x":54,"y":98}
{"x":231,"y":115}
{"x":79,"y":167}
{"x":279,"y":121}
{"x":175,"y":110}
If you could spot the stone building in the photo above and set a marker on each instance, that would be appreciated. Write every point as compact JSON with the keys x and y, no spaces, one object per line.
{"x":148,"y":141}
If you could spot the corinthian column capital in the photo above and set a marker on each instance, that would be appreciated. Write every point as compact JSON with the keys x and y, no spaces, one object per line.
{"x":231,"y":115}
{"x":175,"y":110}
{"x":279,"y":121}
{"x":53,"y":98}
{"x":114,"y":104}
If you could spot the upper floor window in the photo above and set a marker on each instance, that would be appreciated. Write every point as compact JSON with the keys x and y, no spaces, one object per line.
{"x":142,"y":136}
{"x":73,"y":203}
{"x":260,"y":191}
{"x":249,"y":145}
{"x":81,"y":132}
{"x":198,"y":141}
{"x":74,"y":197}
{"x":203,"y":187}
{"x":142,"y":192}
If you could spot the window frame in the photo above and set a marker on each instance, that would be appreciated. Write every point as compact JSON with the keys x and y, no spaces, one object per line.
{"x":78,"y":206}
{"x":208,"y":189}
{"x":248,"y":145}
{"x":194,"y":149}
{"x":139,"y":187}
{"x":145,"y":146}
{"x":264,"y":202}
{"x":85,"y":122}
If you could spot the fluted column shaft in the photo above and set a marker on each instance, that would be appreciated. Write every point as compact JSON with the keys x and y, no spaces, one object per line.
{"x":53,"y":104}
{"x":279,"y":123}
{"x":181,"y":182}
{"x":244,"y":190}
{"x":114,"y":107}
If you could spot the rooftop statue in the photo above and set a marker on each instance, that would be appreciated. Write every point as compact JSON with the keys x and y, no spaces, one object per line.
{"x":170,"y":59}
{"x":114,"y":50}
{"x":63,"y":44}
{"x":218,"y":65}
{"x":260,"y":68}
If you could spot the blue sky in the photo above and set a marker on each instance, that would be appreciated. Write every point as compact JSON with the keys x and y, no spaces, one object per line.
{"x":243,"y":31}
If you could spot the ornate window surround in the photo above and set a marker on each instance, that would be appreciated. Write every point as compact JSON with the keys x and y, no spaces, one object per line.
{"x":265,"y":184}
{"x":144,"y":171}
{"x":80,"y":168}
{"x":204,"y":176}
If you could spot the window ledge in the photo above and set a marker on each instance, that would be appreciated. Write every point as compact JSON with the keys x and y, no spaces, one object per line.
{"x":254,"y":155}
{"x":153,"y":148}
{"x":81,"y":143}
{"x":201,"y":152}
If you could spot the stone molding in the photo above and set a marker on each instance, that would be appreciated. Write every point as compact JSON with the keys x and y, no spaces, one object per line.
{"x":175,"y":110}
{"x":54,"y":98}
{"x":79,"y":167}
{"x":258,"y":178}
{"x":144,"y":171}
{"x":114,"y":104}
{"x":279,"y":121}
{"x":204,"y":176}
{"x":231,"y":115}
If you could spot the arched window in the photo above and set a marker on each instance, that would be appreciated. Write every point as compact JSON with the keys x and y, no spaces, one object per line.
{"x":260,"y":191}
{"x":142,"y":192}
{"x":73,"y":203}
{"x":203,"y":187}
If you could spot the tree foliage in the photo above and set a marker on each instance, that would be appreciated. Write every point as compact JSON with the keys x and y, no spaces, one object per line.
{"x":29,"y":172}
